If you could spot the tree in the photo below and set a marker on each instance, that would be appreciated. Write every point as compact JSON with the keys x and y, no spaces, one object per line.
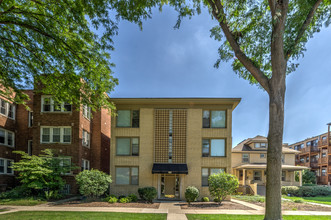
{"x":308,"y":177}
{"x":93,"y":183}
{"x":41,"y":172}
{"x":221,"y":185}
{"x":191,"y":194}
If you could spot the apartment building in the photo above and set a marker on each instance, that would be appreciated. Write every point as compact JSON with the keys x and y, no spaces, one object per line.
{"x":249,"y":162}
{"x":170,"y":143}
{"x":315,"y":153}
{"x":78,"y":136}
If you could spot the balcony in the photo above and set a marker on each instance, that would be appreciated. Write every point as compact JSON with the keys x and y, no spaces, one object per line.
{"x":305,"y":150}
{"x":314,"y":164}
{"x":322,"y":180}
{"x":305,"y":164}
{"x":329,"y":169}
{"x":322,"y":143}
{"x":323,"y":160}
{"x":329,"y":149}
{"x":314,"y":149}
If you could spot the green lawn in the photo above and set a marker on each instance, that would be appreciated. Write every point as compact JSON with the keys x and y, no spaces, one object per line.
{"x":252,"y":217}
{"x":250,"y":198}
{"x":318,"y":199}
{"x":23,"y":202}
{"x":81,"y":215}
{"x":3,"y":210}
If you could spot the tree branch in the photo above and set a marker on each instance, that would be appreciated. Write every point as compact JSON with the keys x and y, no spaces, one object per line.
{"x":219,"y":14}
{"x":303,"y":28}
{"x":7,"y":11}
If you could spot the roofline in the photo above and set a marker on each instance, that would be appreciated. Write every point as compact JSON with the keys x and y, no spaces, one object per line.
{"x":307,"y":139}
{"x":189,"y":100}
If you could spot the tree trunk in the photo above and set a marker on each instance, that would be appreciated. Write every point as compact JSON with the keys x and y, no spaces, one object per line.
{"x":274,"y":155}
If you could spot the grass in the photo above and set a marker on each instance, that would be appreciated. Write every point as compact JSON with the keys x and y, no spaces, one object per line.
{"x":81,"y":215}
{"x":3,"y":210}
{"x":318,"y":199}
{"x":252,"y":217}
{"x":22,"y":202}
{"x":250,"y":198}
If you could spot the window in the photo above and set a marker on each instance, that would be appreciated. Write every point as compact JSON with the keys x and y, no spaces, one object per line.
{"x":262,"y":155}
{"x":29,"y":147}
{"x":85,"y":165}
{"x":323,"y":172}
{"x":283,"y":158}
{"x":30,"y":122}
{"x":7,"y":137}
{"x":65,"y":163}
{"x":308,"y":144}
{"x":49,"y":105}
{"x":5,"y":166}
{"x":87,"y":111}
{"x":127,"y":175}
{"x":260,"y":145}
{"x":127,"y":118}
{"x":86,"y":139}
{"x":206,"y":172}
{"x":283,"y":176}
{"x":323,"y":154}
{"x":245,"y":158}
{"x":55,"y":134}
{"x":127,"y":146}
{"x":213,"y":147}
{"x":257,"y":175}
{"x":213,"y":119}
{"x":7,"y":109}
{"x":307,"y":159}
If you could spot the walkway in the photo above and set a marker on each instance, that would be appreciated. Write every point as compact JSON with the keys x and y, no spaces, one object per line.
{"x":172,"y":209}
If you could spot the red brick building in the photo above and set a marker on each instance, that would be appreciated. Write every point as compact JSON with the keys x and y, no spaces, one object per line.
{"x":79,"y":136}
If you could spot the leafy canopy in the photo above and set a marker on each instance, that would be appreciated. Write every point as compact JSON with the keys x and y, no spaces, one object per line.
{"x":221,"y":185}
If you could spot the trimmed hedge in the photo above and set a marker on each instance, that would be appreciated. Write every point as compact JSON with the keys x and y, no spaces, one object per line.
{"x":191,"y":194}
{"x":306,"y":191}
{"x":147,"y":193}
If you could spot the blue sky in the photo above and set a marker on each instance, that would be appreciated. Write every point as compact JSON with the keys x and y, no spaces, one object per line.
{"x":162,"y":62}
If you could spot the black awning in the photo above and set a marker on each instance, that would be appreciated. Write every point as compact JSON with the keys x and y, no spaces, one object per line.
{"x":170,"y":168}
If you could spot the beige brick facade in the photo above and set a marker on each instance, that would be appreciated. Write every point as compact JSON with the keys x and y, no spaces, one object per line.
{"x":190,"y":150}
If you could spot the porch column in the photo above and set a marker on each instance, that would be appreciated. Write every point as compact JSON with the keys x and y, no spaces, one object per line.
{"x":244,"y":177}
{"x":300,"y":178}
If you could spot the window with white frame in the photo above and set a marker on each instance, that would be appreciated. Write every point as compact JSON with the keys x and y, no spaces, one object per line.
{"x":206,"y":172}
{"x":7,"y":137}
{"x":85,"y":165}
{"x":29,"y":147}
{"x":86,"y":139}
{"x":260,"y":145}
{"x":7,"y":109}
{"x":55,"y":134}
{"x":30,"y":122}
{"x":49,"y":105}
{"x":87,"y":111}
{"x":245,"y":158}
{"x":5,"y":166}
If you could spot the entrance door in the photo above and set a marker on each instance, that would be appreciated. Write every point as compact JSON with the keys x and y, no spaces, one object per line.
{"x":170,"y":187}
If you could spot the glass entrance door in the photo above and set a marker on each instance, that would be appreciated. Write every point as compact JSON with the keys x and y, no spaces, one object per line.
{"x":170,"y":186}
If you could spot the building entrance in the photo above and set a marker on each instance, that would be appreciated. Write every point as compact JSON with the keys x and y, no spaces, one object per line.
{"x":170,"y":186}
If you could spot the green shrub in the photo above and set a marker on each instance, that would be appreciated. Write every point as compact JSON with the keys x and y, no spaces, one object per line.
{"x":299,"y":200}
{"x":221,"y":185}
{"x":290,"y":190}
{"x":216,"y":200}
{"x":17,"y":192}
{"x":147,"y":193}
{"x":306,"y":191}
{"x":93,"y":183}
{"x":121,"y":196}
{"x":124,"y":200}
{"x":112,"y":200}
{"x":308,"y":184}
{"x":205,"y":199}
{"x":308,"y":177}
{"x":191,"y":194}
{"x":133,"y":198}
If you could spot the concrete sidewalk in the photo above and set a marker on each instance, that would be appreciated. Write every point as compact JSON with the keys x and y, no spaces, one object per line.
{"x":172,"y":209}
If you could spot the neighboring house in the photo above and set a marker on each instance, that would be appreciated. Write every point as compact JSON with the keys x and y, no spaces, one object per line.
{"x":80,"y":137}
{"x":315,"y":153}
{"x":170,"y":143}
{"x":249,"y":161}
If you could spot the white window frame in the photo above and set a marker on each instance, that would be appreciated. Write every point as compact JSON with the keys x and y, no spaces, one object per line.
{"x":242,"y":158}
{"x":30,"y":119}
{"x":6,"y":138}
{"x":51,"y":134}
{"x":86,"y":137}
{"x":7,"y":105}
{"x":5,"y":161}
{"x":85,"y":165}
{"x":62,"y":109}
{"x":87,"y":112}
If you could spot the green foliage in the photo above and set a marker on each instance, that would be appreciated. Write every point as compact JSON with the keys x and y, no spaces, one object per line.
{"x":222,"y":185}
{"x":191,"y":194}
{"x":205,"y":199}
{"x":112,"y":200}
{"x":124,"y":200}
{"x":147,"y":193}
{"x":133,"y":198}
{"x":298,"y":200}
{"x":247,"y":198}
{"x":93,"y":183}
{"x":308,"y":177}
{"x":17,"y":192}
{"x":306,"y":191}
{"x":40,"y":172}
